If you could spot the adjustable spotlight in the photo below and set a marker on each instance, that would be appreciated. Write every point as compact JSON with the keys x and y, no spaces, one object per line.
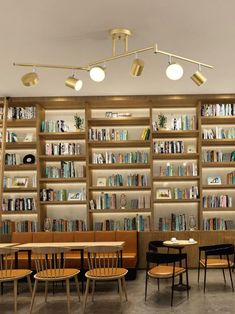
{"x":30,"y":79}
{"x":198,"y":77}
{"x":74,"y":83}
{"x":137,"y":67}
{"x":174,"y":71}
{"x":97,"y":74}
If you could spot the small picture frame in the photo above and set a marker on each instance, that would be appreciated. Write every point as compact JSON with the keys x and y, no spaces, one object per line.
{"x":108,"y":114}
{"x":214,"y":180}
{"x":163,"y":194}
{"x":74,"y":196}
{"x":191,"y":149}
{"x":101,"y":181}
{"x":20,"y":182}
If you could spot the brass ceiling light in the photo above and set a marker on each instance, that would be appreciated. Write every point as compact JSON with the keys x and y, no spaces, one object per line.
{"x":137,"y":67}
{"x":198,"y":78}
{"x":30,"y":79}
{"x":73,"y":83}
{"x":97,"y":72}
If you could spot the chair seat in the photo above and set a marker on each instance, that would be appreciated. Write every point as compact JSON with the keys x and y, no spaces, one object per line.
{"x":56,"y":274}
{"x":216,"y":263}
{"x":106,"y":273}
{"x":163,"y":271}
{"x":6,"y":275}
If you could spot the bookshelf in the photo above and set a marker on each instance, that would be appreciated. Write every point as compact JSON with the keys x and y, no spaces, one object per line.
{"x":163,"y":172}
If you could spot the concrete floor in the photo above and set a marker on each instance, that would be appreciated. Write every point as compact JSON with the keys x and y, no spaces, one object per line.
{"x":217,"y":299}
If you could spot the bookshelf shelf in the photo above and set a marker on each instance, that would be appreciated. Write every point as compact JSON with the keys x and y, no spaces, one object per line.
{"x":62,"y":157}
{"x":177,"y":200}
{"x":119,"y":166}
{"x":218,"y":120}
{"x":22,"y":123}
{"x":175,"y":134}
{"x":18,"y":212}
{"x":20,"y":190}
{"x":64,"y":203}
{"x":216,"y":142}
{"x":218,"y":164}
{"x":174,"y":178}
{"x":119,"y":188}
{"x":62,"y":135}
{"x":175,"y":156}
{"x":62,"y":180}
{"x":219,"y":209}
{"x":25,"y":167}
{"x":111,"y":144}
{"x":21,"y":145}
{"x":119,"y":121}
{"x":218,"y":186}
{"x":120,"y":211}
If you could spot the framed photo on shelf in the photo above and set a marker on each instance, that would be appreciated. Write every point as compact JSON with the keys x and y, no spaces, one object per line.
{"x":101,"y":182}
{"x":20,"y":182}
{"x":214,"y":180}
{"x":191,"y":149}
{"x":163,"y":194}
{"x":74,"y":196}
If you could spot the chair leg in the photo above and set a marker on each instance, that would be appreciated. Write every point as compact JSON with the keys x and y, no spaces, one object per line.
{"x":77,"y":286}
{"x":231,"y":278}
{"x":15,"y":295}
{"x":86,"y":294}
{"x":224,"y":276}
{"x":93,"y":290}
{"x":29,"y":284}
{"x":198,"y":272}
{"x":33,"y":296}
{"x":68,"y":294}
{"x":158,"y":284}
{"x":46,"y":290}
{"x":120,"y":292}
{"x":172,"y":290}
{"x":187,"y":282}
{"x":124,"y":287}
{"x":146,"y":287}
{"x":204,"y":279}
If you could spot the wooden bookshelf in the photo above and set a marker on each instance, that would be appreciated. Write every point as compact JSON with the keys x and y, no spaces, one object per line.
{"x":218,"y":186}
{"x":120,"y":211}
{"x":62,"y":180}
{"x":218,"y":120}
{"x":175,"y":134}
{"x":21,"y":145}
{"x":20,"y":190}
{"x":63,"y":203}
{"x":22,"y":123}
{"x":175,"y":156}
{"x":119,"y":188}
{"x":174,"y":178}
{"x":193,"y":200}
{"x":119,"y":121}
{"x":223,"y":164}
{"x":18,"y":212}
{"x":25,"y":167}
{"x":216,"y":142}
{"x":62,"y":135}
{"x":62,"y":157}
{"x":219,"y":209}
{"x":128,"y":143}
{"x":119,"y":166}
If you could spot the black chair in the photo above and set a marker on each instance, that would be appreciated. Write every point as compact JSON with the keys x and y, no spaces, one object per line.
{"x":211,"y":260}
{"x":163,"y":271}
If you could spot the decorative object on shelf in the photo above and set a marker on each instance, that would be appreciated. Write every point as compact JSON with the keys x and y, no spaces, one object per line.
{"x":214,"y":180}
{"x":28,"y":137}
{"x":192,"y":222}
{"x":101,"y":182}
{"x":74,"y":196}
{"x":232,"y":156}
{"x":191,"y":149}
{"x":123,"y":201}
{"x":20,"y":182}
{"x":163,"y":194}
{"x":162,"y":120}
{"x":47,"y":225}
{"x":29,"y":159}
{"x":78,"y":122}
{"x":97,"y":69}
{"x":110,"y":114}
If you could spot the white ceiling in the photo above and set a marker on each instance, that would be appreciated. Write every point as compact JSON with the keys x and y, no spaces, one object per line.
{"x":77,"y":32}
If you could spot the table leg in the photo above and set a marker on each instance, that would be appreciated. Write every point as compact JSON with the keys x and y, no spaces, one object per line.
{"x":180,"y":286}
{"x":82,"y":268}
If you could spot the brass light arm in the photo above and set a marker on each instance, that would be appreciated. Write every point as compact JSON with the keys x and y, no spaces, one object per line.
{"x":51,"y":66}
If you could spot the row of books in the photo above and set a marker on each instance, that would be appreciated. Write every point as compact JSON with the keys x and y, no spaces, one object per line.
{"x":145,"y":134}
{"x":168,"y":147}
{"x":62,"y":149}
{"x":173,"y":223}
{"x":123,"y":158}
{"x":215,"y":156}
{"x":12,"y":159}
{"x":138,"y":223}
{"x":107,"y":135}
{"x":214,"y":201}
{"x":107,"y":201}
{"x":231,"y":177}
{"x":137,"y":180}
{"x":131,"y":180}
{"x":11,"y":137}
{"x":63,"y":225}
{"x":181,"y":170}
{"x":67,"y":169}
{"x":218,"y":110}
{"x":218,"y":133}
{"x":19,"y":113}
{"x":54,"y":126}
{"x":218,"y":224}
{"x":186,"y":193}
{"x":49,"y":194}
{"x":18,"y":204}
{"x":177,"y":123}
{"x":8,"y":226}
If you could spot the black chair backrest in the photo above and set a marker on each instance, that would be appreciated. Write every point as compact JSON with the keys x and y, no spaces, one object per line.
{"x":162,"y":258}
{"x":214,"y":246}
{"x":154,"y":245}
{"x":229,"y":250}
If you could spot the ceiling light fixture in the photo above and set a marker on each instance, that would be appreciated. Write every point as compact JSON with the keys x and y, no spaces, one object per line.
{"x":74,"y":83}
{"x":198,"y":77}
{"x":174,"y":70}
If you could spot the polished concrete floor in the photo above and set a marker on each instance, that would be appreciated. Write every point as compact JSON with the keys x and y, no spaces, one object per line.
{"x":217,"y":299}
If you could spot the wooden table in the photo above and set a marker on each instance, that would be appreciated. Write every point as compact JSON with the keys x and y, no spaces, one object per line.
{"x":179,"y":244}
{"x":3,"y":245}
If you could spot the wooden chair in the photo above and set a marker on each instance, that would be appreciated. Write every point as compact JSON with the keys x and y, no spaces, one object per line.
{"x":104,"y":264}
{"x":216,"y":257}
{"x":163,"y":270}
{"x":8,"y":273}
{"x":50,"y":267}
